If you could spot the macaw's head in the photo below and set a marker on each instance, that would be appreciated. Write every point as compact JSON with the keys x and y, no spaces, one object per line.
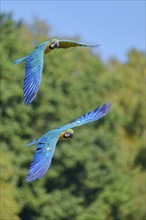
{"x":54,"y":44}
{"x":66,"y":135}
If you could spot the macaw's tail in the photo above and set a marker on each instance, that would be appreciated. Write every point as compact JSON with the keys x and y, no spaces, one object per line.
{"x":32,"y":142}
{"x":19,"y":61}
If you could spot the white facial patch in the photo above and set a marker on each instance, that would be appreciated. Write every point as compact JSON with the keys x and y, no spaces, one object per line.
{"x":52,"y":45}
{"x":67,"y":134}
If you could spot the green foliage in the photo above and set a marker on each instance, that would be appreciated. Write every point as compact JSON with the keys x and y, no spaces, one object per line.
{"x":9,"y":208}
{"x":99,"y":174}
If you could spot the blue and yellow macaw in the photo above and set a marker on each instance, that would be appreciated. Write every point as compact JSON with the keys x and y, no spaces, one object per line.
{"x":34,"y":65}
{"x":46,"y":144}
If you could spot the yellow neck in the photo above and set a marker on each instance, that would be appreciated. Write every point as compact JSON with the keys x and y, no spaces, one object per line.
{"x":61,"y":136}
{"x":47,"y":50}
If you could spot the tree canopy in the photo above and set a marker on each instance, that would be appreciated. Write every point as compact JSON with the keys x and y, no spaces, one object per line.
{"x":99,"y":174}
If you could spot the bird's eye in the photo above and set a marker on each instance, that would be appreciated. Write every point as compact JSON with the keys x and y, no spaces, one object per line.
{"x":67,"y":134}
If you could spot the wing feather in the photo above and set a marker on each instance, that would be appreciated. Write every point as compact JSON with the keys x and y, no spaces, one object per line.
{"x":33,"y":73}
{"x":42,"y":159}
{"x":68,"y":43}
{"x":95,"y":115}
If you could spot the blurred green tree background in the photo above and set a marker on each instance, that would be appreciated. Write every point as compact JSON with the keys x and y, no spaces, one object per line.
{"x":98,"y":175}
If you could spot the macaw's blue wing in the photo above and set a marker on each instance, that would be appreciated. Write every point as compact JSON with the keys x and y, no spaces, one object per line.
{"x":47,"y":143}
{"x":33,"y":76}
{"x":98,"y":113}
{"x":42,"y":158}
{"x":33,"y":73}
{"x":68,"y":43}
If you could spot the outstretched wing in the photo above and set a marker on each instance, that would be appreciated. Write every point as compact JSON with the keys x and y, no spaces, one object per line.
{"x":42,"y":158}
{"x":68,"y":43}
{"x":98,"y":113}
{"x":47,"y":143}
{"x":33,"y":73}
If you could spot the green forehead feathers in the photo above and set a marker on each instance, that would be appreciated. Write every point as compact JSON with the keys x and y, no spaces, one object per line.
{"x":70,"y":130}
{"x":54,"y":40}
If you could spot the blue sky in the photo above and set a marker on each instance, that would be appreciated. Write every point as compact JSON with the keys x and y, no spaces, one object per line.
{"x":117,"y":25}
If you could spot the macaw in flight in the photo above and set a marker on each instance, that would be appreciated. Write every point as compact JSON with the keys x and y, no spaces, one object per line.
{"x":34,"y":65}
{"x":46,"y":144}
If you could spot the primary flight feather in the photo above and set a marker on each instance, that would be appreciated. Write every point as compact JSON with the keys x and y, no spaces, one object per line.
{"x":34,"y":65}
{"x":46,"y":144}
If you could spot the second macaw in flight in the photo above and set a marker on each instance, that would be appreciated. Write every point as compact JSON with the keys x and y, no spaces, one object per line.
{"x":46,"y":144}
{"x":34,"y":65}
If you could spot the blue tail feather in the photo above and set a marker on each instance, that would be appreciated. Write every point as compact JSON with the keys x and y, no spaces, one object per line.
{"x":32,"y":142}
{"x":19,"y":60}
